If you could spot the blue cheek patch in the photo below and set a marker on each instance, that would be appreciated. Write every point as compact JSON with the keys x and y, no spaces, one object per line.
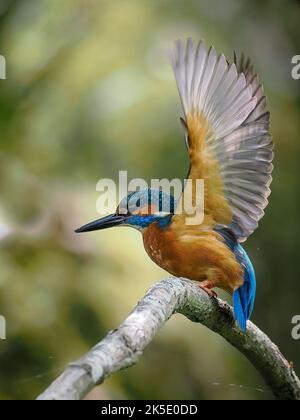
{"x":145,"y":221}
{"x":141,"y":221}
{"x":165,"y":221}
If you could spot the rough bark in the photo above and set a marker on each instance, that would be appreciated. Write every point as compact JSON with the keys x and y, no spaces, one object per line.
{"x":123,"y":347}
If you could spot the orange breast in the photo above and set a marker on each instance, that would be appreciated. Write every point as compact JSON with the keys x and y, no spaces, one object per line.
{"x":194,"y":253}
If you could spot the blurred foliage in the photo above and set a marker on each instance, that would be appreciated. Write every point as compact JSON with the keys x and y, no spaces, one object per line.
{"x":89,"y":92}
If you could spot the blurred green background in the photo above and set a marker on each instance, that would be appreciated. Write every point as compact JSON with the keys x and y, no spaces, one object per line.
{"x":89,"y":92}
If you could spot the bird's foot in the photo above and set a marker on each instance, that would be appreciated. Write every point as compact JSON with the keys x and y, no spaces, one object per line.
{"x":207,"y":286}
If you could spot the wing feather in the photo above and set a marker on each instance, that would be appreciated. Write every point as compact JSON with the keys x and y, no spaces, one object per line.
{"x":227,"y":134}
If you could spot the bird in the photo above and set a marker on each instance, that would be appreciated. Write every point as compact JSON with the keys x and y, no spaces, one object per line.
{"x":227,"y":135}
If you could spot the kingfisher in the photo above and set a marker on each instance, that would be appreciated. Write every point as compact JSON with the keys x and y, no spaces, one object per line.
{"x":226,"y":131}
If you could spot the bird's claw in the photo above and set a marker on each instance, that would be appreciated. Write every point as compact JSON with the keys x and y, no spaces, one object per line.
{"x":211,"y":293}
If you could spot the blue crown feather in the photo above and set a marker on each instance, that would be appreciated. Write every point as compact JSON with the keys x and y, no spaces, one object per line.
{"x":157,"y":199}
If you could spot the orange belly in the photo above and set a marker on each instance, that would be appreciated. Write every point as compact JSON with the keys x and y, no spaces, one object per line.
{"x":194,"y":253}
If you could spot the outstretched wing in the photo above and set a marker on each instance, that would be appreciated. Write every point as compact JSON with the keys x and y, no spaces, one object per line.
{"x":227,"y":134}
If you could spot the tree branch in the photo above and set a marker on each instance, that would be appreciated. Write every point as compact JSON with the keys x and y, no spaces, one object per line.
{"x":124,"y":346}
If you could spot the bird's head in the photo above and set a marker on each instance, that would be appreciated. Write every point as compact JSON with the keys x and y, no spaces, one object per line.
{"x":139,"y":210}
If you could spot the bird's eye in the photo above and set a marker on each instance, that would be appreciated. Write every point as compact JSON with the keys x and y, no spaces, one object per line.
{"x":121,"y":210}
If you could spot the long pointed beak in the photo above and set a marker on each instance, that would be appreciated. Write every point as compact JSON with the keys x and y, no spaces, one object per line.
{"x":104,"y":223}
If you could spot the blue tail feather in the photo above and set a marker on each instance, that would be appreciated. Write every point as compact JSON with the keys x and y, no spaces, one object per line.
{"x":244,"y":297}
